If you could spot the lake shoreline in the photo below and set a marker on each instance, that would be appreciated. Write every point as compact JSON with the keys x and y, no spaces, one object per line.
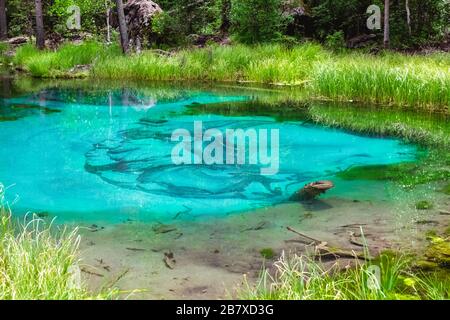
{"x":212,"y":256}
{"x":388,"y":78}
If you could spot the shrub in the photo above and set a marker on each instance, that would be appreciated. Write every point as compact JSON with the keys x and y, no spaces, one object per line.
{"x":256,"y":21}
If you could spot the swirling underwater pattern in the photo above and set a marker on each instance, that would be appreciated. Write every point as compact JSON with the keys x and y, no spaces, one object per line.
{"x":107,"y":155}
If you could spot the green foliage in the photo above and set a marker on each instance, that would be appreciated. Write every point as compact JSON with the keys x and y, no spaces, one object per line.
{"x":24,"y":53}
{"x":165,"y":31}
{"x":253,"y":21}
{"x":92,"y":14}
{"x":19,"y":17}
{"x":37,"y":262}
{"x":58,"y":63}
{"x":267,"y":253}
{"x":256,"y":21}
{"x":3,"y":48}
{"x":302,"y":278}
{"x":184,"y":19}
{"x":331,"y":16}
{"x":429,"y":18}
{"x":389,"y":79}
{"x":265,"y":63}
{"x":335,"y":41}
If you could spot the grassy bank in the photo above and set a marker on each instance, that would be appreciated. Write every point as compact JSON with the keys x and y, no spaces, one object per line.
{"x":38,"y":262}
{"x":302,"y":278}
{"x":388,"y":78}
{"x":393,"y":79}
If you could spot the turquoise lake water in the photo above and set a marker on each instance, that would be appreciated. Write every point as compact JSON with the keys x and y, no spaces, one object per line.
{"x":86,"y":156}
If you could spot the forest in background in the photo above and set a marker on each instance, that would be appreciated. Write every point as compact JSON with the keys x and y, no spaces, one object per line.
{"x":336,"y":23}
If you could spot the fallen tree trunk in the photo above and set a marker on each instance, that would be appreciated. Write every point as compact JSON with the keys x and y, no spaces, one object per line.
{"x":312,"y":190}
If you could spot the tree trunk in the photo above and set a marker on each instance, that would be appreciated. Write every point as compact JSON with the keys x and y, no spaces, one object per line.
{"x":40,"y":35}
{"x":3,"y":26}
{"x":108,"y":26}
{"x":408,"y":15}
{"x":386,"y":24}
{"x":122,"y":27}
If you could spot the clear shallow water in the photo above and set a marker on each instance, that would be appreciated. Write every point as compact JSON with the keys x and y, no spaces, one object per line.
{"x":106,"y":156}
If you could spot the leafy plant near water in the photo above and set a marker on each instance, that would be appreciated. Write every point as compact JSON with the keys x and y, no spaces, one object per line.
{"x":37,"y":263}
{"x":302,"y":278}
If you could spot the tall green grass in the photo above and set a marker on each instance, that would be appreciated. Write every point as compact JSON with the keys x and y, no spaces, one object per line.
{"x":302,"y":278}
{"x":263,"y":64}
{"x":53,"y":64}
{"x":38,"y":263}
{"x":388,"y":78}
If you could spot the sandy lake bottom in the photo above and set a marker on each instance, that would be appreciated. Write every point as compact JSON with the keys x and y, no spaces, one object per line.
{"x":213,"y":255}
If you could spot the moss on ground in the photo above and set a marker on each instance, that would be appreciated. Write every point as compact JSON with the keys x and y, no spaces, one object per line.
{"x":267,"y":253}
{"x":407,"y":174}
{"x":446,"y":189}
{"x":424,"y":205}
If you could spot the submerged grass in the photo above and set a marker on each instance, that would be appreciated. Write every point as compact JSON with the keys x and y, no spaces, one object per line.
{"x":388,"y":78}
{"x":428,"y":129}
{"x":431,"y":131}
{"x":410,"y":125}
{"x":387,"y":278}
{"x":38,"y":263}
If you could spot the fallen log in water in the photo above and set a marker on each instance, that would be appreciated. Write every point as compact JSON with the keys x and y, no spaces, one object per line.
{"x":312,"y":190}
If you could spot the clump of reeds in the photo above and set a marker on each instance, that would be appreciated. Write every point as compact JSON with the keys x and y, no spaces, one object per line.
{"x":386,"y":278}
{"x":39,"y":262}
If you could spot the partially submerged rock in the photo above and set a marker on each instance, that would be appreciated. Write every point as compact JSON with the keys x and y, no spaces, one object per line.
{"x":312,"y":190}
